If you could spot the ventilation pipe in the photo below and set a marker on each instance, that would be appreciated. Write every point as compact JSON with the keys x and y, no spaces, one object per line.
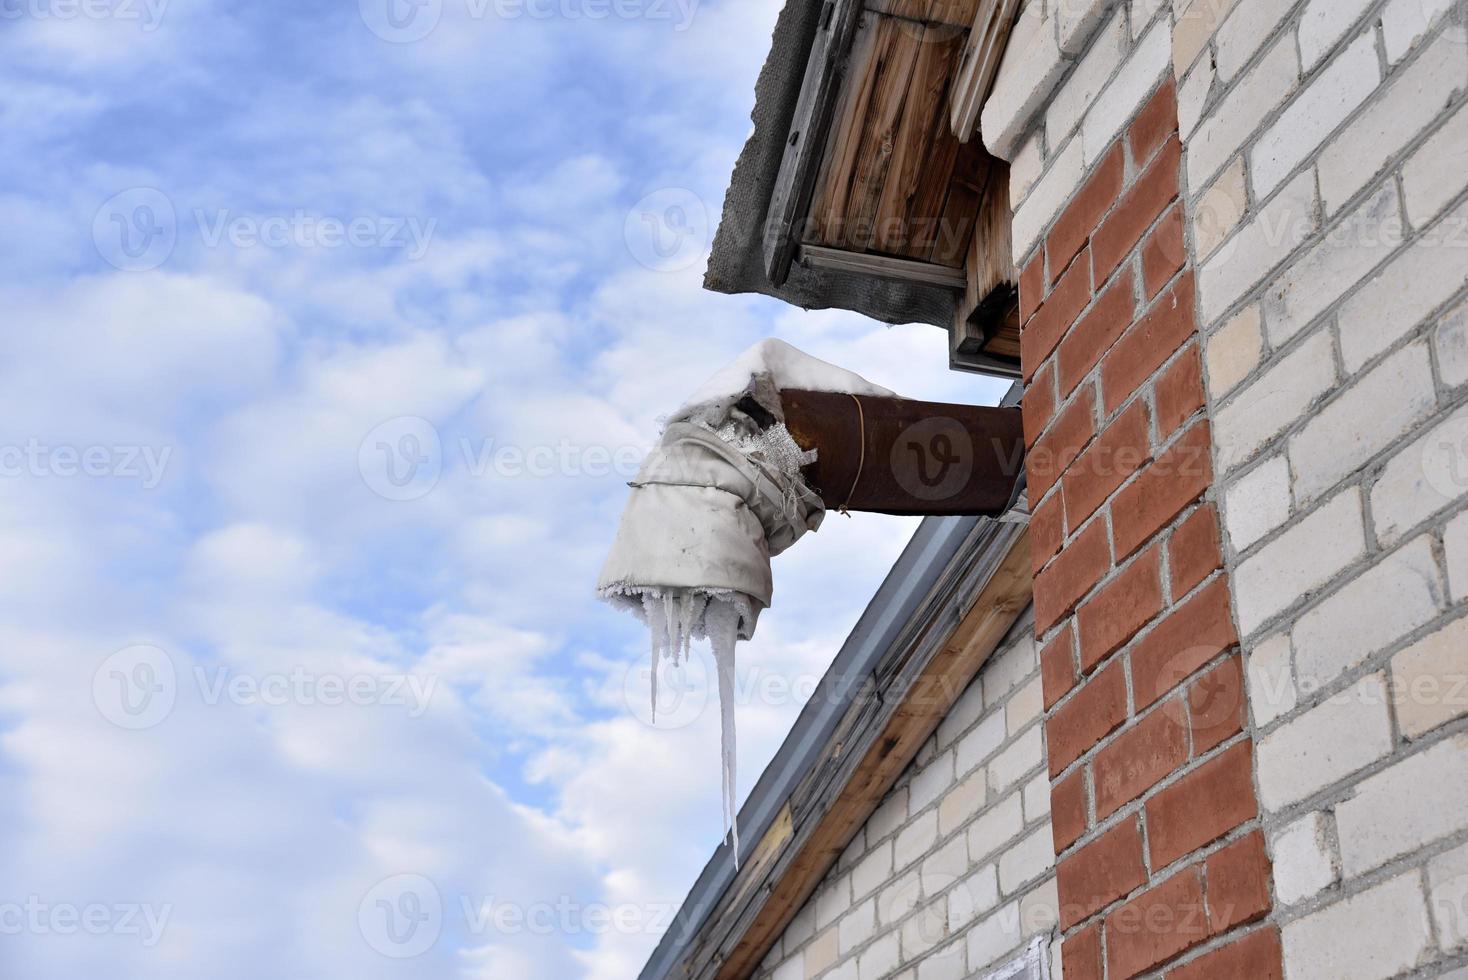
{"x":752,"y":462}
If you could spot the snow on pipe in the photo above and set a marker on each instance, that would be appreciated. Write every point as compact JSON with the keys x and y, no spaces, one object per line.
{"x":730,"y":485}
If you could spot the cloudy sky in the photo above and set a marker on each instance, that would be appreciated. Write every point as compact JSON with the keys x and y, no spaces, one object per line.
{"x":332,"y":333}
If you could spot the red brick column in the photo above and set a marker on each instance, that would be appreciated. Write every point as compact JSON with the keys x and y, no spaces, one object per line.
{"x":1160,"y":861}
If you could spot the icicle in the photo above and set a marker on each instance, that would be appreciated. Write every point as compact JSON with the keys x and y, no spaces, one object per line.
{"x":652,"y":614}
{"x":722,"y":624}
{"x":654,"y":682}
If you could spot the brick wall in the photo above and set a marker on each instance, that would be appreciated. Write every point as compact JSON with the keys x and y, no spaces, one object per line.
{"x":1327,"y":159}
{"x":1162,"y":865}
{"x":1241,"y":230}
{"x":954,"y":873}
{"x":1160,"y":855}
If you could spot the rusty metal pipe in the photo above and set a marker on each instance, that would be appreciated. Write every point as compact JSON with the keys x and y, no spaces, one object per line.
{"x":898,"y":456}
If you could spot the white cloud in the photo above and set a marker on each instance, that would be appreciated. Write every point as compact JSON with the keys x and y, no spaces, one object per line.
{"x":522,"y":770}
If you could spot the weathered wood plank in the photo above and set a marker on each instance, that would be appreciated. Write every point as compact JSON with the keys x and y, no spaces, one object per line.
{"x":923,"y":154}
{"x":894,"y":58}
{"x":991,"y":250}
{"x":882,"y":266}
{"x":971,"y":175}
{"x":827,"y":222}
{"x":986,"y":326}
{"x":790,"y":199}
{"x":953,"y":13}
{"x":958,"y":12}
{"x":987,"y":40}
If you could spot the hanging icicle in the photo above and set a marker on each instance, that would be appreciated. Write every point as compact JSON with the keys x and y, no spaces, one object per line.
{"x":720,"y":495}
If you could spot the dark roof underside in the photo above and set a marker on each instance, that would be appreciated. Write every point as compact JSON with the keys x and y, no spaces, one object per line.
{"x":736,"y":264}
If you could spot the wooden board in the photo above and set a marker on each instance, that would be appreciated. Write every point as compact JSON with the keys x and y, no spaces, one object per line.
{"x":951,"y":13}
{"x":790,"y":199}
{"x":987,"y":41}
{"x":893,"y":179}
{"x":827,"y":221}
{"x":991,"y":246}
{"x":875,"y":167}
{"x":887,"y":74}
{"x":986,"y":326}
{"x":972,"y":174}
{"x":881,"y":266}
{"x":908,"y":221}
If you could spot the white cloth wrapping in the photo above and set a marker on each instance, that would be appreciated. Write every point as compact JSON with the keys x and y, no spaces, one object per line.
{"x":706,"y":518}
{"x":714,"y":502}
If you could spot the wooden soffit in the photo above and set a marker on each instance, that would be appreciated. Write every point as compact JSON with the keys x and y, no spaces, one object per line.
{"x":875,"y":181}
{"x":872,"y":166}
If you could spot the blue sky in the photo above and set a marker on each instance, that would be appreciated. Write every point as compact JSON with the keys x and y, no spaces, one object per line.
{"x":329,"y":341}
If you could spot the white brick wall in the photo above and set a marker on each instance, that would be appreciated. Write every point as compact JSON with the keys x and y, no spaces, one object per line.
{"x":1271,"y":680}
{"x":1258,"y":502}
{"x":1260,"y":245}
{"x":1340,"y":420}
{"x":1455,"y":544}
{"x":1421,"y":479}
{"x":1391,"y":304}
{"x":1369,"y":613}
{"x":1415,"y":802}
{"x":1329,"y":98}
{"x":1448,"y":896}
{"x":1430,"y":176}
{"x":1319,"y":276}
{"x":1235,"y":349}
{"x":1341,"y":736}
{"x":1323,"y":23}
{"x":1325,"y":144}
{"x":1091,"y":74}
{"x":1078,"y":19}
{"x":1052,"y":111}
{"x":1430,"y":680}
{"x":1134,"y":82}
{"x":1032,"y":65}
{"x":1265,"y":407}
{"x":1380,"y":407}
{"x":1406,"y":22}
{"x":1246,"y":29}
{"x":1299,"y":561}
{"x":1375,"y":934}
{"x":953,"y":873}
{"x":1304,"y":860}
{"x":1411,"y":104}
{"x":1060,"y":180}
{"x":1450,"y":342}
{"x":1225,"y":130}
